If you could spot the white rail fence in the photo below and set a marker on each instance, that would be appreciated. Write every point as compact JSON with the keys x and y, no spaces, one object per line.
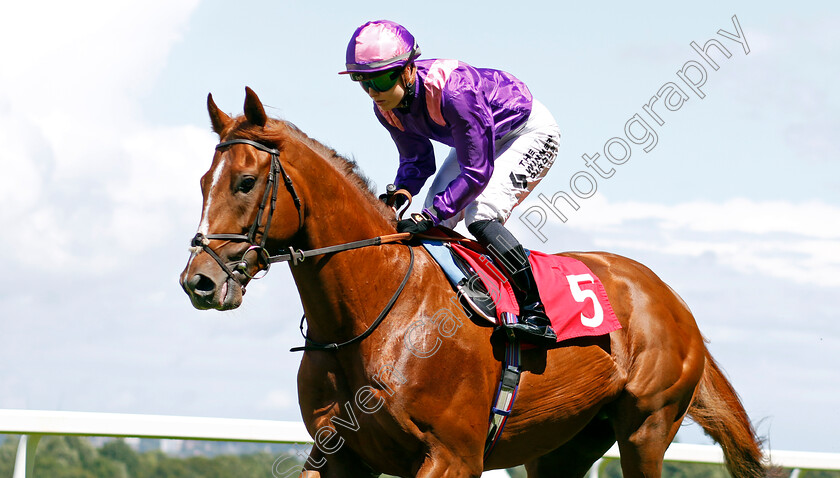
{"x":32,"y":424}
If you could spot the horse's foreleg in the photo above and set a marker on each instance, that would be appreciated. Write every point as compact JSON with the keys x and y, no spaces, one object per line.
{"x":441,"y":463}
{"x":342,"y":464}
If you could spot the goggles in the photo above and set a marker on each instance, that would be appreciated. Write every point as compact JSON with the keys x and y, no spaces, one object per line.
{"x":380,"y":83}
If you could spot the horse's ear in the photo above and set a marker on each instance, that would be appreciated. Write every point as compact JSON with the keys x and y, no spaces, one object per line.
{"x":254,"y":110}
{"x":219,"y":119}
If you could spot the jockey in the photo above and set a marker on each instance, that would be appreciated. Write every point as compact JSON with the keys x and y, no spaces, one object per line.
{"x":503,"y":142}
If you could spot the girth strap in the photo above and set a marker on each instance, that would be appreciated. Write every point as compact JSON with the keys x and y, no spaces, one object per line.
{"x":506,"y":393}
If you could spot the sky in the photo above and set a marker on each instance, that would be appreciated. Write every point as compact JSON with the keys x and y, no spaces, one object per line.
{"x":104,"y":135}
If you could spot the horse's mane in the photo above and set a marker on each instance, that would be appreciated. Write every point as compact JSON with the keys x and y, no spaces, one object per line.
{"x":276,"y":132}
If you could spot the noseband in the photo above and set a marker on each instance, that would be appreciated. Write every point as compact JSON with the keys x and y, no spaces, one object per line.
{"x":202,"y":242}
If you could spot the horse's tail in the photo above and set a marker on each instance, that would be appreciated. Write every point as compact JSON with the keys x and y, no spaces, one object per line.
{"x":718,"y":410}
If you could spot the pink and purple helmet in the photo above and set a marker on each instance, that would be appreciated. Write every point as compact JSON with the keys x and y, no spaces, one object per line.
{"x":380,"y":45}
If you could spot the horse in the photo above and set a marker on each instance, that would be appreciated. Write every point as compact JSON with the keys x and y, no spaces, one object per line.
{"x":372,"y":403}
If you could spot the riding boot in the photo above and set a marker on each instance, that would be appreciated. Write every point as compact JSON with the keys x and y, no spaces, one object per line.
{"x":533,"y":325}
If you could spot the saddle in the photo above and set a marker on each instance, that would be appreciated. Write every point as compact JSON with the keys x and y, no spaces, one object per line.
{"x":471,"y":292}
{"x":574,"y":298}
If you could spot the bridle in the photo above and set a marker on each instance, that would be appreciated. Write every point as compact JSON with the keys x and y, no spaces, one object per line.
{"x":201,"y":242}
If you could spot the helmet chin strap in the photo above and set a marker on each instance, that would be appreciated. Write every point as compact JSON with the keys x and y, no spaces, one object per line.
{"x":410,"y":92}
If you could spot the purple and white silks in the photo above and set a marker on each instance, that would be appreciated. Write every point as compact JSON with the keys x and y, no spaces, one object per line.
{"x":461,"y":106}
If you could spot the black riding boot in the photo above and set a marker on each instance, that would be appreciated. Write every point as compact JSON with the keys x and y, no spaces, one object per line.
{"x":533,"y":326}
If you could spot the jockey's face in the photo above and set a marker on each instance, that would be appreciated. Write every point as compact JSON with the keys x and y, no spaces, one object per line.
{"x":390,"y":99}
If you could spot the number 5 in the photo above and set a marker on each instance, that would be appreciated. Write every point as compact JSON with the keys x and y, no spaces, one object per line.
{"x":581,"y":295}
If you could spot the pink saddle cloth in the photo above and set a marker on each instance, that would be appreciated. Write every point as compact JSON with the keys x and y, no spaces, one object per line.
{"x":574,"y":298}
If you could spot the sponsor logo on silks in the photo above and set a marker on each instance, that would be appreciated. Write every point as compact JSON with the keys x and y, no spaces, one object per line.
{"x":535,"y":160}
{"x":519,"y":180}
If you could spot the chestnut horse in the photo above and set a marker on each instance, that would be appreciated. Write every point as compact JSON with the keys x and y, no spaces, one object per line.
{"x":376,"y":405}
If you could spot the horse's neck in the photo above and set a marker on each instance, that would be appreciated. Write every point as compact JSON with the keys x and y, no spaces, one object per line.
{"x":339,"y":291}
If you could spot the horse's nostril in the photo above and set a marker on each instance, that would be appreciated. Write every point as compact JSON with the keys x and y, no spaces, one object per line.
{"x":202,"y":284}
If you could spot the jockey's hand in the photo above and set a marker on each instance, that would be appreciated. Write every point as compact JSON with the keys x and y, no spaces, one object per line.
{"x":417,"y":224}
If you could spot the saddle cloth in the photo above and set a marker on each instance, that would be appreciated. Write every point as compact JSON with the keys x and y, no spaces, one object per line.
{"x":574,"y":298}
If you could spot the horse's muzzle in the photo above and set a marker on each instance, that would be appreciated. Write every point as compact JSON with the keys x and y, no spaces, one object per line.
{"x":207,"y":292}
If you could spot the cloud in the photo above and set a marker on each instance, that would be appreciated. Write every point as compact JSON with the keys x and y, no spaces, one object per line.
{"x":101,"y":203}
{"x":84,"y":175}
{"x":798,"y":242}
{"x":761,"y":279}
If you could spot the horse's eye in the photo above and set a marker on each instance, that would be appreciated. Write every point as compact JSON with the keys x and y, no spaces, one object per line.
{"x":247,"y":184}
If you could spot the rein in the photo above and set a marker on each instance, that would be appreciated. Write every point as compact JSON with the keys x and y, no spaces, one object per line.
{"x":297,"y":256}
{"x":312,"y":345}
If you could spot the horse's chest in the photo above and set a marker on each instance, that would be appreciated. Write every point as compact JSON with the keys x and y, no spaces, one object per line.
{"x":363,"y":422}
{"x":339,"y":410}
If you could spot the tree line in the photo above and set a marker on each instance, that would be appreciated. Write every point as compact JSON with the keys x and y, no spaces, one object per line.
{"x":76,"y":457}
